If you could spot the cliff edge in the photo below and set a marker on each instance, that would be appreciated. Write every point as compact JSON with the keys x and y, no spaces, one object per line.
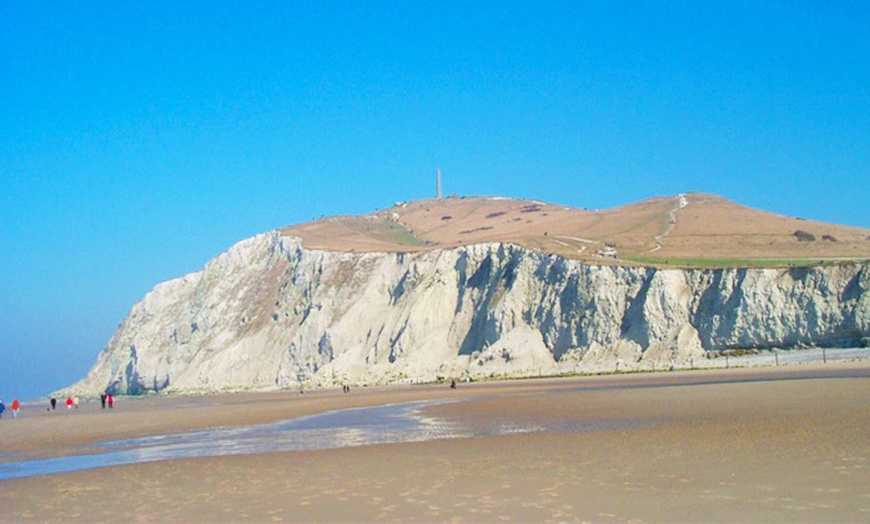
{"x":272,"y":312}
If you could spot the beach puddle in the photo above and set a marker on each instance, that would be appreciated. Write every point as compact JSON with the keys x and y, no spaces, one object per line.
{"x":396,"y":423}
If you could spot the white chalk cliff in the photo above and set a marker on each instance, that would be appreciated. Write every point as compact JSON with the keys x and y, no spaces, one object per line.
{"x":269,"y":313}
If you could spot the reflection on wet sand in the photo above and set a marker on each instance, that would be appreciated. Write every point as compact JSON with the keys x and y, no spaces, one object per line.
{"x":396,"y":423}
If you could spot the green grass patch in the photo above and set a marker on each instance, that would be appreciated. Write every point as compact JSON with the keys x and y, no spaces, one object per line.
{"x":386,"y":230}
{"x":705,"y":263}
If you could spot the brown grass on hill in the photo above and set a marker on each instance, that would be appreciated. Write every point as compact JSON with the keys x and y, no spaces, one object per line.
{"x":691,"y":229}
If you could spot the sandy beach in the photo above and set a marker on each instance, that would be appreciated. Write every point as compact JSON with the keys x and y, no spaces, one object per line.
{"x":788,"y":443}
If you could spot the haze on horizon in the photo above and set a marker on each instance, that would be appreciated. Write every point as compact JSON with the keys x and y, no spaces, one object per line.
{"x":138,"y":141}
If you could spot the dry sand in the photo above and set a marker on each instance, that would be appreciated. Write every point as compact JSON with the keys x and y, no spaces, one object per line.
{"x":774,"y":444}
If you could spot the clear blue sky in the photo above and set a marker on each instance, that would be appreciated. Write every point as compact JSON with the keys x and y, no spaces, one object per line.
{"x":140,"y":139}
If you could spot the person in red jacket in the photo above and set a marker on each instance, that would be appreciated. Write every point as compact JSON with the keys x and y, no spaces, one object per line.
{"x":69,"y":402}
{"x":15,"y":407}
{"x":111,"y":400}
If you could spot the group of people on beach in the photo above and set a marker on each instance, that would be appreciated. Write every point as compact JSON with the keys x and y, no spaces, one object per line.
{"x":107,"y":399}
{"x":73,"y":402}
{"x":15,"y":407}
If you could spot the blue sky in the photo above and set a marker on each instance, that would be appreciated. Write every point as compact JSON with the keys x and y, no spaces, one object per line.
{"x":140,"y":139}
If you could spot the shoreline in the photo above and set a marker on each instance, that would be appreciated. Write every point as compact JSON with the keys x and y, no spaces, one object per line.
{"x":236,"y":408}
{"x":783,"y":432}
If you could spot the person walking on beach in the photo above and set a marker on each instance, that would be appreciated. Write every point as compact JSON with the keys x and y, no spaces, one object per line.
{"x":53,"y":403}
{"x":111,"y":401}
{"x":2,"y":408}
{"x":103,"y":399}
{"x":69,"y":402}
{"x":15,"y":407}
{"x":453,"y":384}
{"x":76,"y":402}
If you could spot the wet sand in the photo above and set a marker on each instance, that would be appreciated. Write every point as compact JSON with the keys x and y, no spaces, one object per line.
{"x":769,"y":444}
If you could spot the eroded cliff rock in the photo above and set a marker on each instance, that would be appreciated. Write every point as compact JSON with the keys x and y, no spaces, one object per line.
{"x":269,"y":313}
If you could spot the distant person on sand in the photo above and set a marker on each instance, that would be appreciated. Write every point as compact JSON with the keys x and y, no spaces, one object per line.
{"x":15,"y":407}
{"x":111,"y":401}
{"x":76,"y":402}
{"x":2,"y":408}
{"x":103,"y":399}
{"x":53,"y":403}
{"x":453,"y":384}
{"x":69,"y":402}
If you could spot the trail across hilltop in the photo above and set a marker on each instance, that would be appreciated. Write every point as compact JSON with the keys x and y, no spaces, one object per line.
{"x":691,"y":229}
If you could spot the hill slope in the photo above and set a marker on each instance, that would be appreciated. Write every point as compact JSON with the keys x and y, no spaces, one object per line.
{"x":692,"y":229}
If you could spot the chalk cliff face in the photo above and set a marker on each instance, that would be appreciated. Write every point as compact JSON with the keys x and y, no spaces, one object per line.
{"x":269,"y":313}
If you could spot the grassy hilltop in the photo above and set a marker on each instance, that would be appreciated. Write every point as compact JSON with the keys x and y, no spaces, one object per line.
{"x":690,"y":230}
